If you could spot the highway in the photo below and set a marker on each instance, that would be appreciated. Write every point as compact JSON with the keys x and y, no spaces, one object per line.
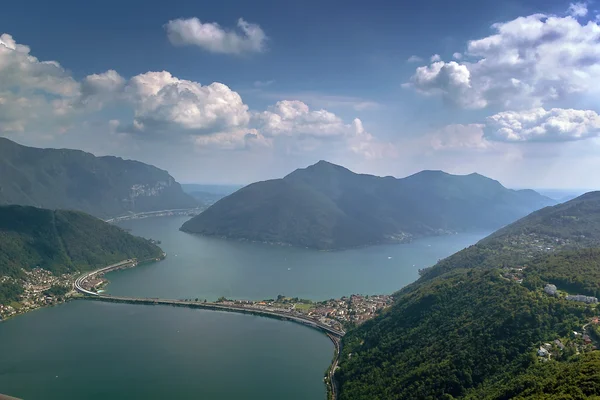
{"x":79,"y":282}
{"x":150,"y":214}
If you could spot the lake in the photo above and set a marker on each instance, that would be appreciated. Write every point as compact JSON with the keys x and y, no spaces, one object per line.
{"x":209,"y":268}
{"x":92,"y":350}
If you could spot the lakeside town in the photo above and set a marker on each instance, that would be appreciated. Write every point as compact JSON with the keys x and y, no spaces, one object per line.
{"x":39,"y":288}
{"x":339,"y":314}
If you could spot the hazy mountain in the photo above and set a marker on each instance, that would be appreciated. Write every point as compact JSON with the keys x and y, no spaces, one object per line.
{"x":63,"y":241}
{"x":72,"y":179}
{"x":469,"y":329}
{"x":326,"y":206}
{"x":207,"y":195}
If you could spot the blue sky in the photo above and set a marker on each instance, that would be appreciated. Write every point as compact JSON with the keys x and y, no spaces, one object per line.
{"x":507,"y":89}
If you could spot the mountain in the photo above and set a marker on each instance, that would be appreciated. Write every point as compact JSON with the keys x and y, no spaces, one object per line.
{"x":471,"y":326}
{"x":566,"y":226}
{"x":72,"y":179}
{"x":63,"y":241}
{"x":60,"y":242}
{"x":326,"y":206}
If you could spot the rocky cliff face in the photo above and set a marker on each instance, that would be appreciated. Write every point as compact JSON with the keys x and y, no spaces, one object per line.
{"x":72,"y":179}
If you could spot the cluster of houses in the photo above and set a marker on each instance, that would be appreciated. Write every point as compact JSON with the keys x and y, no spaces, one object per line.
{"x":552,"y":291}
{"x":583,"y":298}
{"x":35,"y":283}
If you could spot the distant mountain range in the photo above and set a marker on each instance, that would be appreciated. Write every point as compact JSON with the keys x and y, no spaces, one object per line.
{"x":326,"y":206}
{"x":73,"y":179}
{"x":473,"y":325}
{"x":207,"y":195}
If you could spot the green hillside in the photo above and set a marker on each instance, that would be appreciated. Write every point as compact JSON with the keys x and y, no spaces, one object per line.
{"x":571,"y":225}
{"x":326,"y":206}
{"x":470,"y":327}
{"x":63,"y":241}
{"x":72,"y":179}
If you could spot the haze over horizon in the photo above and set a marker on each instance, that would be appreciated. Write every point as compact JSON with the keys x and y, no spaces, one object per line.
{"x":221,"y":94}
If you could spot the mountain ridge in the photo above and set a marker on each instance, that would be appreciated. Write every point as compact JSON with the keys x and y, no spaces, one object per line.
{"x":341,"y":209}
{"x":105,"y":186}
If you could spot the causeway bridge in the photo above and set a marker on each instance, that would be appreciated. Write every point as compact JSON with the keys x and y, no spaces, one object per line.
{"x":79,"y":286}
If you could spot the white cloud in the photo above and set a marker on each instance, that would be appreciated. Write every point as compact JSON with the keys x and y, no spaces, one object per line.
{"x":538,"y":124}
{"x":414,"y":59}
{"x":212,"y":37}
{"x":294,"y":119}
{"x":322,"y":100}
{"x":98,"y":88}
{"x":451,"y":80}
{"x":578,"y":10}
{"x":164,"y":103}
{"x":19,"y":68}
{"x":169,"y":109}
{"x":527,"y":62}
{"x":34,"y":94}
{"x":435,"y":57}
{"x":459,"y":137}
{"x":106,"y":82}
{"x":457,"y":56}
{"x":240,"y":139}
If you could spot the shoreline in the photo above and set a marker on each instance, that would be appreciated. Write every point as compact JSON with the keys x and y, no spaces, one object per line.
{"x":334,"y":335}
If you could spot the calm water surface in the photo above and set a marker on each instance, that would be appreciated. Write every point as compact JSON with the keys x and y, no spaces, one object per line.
{"x":93,"y":350}
{"x":208,"y":268}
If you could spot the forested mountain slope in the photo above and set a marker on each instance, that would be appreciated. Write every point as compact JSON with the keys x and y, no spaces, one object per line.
{"x":326,"y":206}
{"x":72,"y":179}
{"x":63,"y":241}
{"x":472,"y":328}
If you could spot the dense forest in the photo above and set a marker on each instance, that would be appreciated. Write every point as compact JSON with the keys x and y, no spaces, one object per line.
{"x":467,"y":329}
{"x":63,"y":241}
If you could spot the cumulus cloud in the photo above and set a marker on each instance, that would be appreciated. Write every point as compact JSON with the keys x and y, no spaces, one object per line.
{"x":106,"y":82}
{"x":165,"y":103}
{"x":18,"y":68}
{"x":293,"y":118}
{"x":539,"y":124}
{"x":527,"y":62}
{"x":457,"y":56}
{"x":435,"y":57}
{"x":164,"y":107}
{"x":33,"y":93}
{"x":241,"y":139}
{"x":249,"y":38}
{"x":459,"y":137}
{"x":414,"y":59}
{"x":578,"y":10}
{"x":450,"y":80}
